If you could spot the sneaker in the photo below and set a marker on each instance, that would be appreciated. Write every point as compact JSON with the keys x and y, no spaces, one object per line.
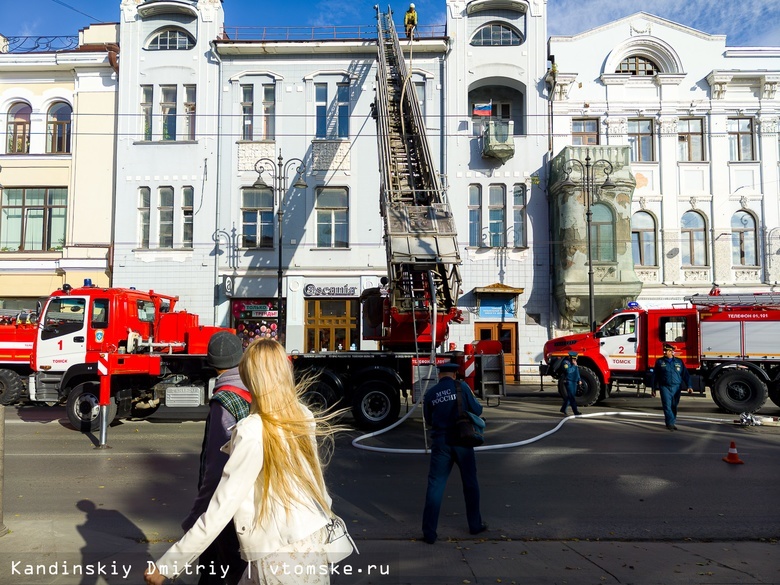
{"x":479,"y":530}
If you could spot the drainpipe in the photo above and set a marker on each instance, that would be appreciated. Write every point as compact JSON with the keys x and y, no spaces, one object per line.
{"x":218,"y":185}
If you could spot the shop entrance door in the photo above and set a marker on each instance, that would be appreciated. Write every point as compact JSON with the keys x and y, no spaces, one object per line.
{"x":506,"y":333}
{"x":331,"y":325}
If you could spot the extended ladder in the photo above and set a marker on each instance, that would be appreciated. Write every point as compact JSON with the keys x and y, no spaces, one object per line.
{"x":420,"y":235}
{"x":736,"y":300}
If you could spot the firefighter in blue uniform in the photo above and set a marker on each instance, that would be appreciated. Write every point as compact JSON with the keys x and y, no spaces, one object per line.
{"x":669,"y":376}
{"x":571,"y":380}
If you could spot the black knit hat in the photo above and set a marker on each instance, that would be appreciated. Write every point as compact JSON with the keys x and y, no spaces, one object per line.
{"x":225,"y":351}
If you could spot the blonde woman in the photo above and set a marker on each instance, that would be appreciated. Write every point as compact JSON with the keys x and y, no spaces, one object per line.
{"x":272,"y":486}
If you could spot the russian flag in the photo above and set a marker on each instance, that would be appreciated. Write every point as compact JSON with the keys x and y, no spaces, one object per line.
{"x":482,"y":109}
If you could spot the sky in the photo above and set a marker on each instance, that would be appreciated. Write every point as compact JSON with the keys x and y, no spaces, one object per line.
{"x":746,"y":23}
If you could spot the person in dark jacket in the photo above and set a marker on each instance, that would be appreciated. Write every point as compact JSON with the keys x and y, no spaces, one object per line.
{"x":571,"y":380}
{"x":440,"y":408}
{"x":670,"y":376}
{"x":229,"y":404}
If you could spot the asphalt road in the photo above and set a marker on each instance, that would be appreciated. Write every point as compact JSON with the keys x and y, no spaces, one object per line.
{"x":614,"y":475}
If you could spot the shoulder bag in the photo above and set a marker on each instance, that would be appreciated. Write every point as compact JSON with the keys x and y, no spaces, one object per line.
{"x":339,"y":544}
{"x":469,"y":428}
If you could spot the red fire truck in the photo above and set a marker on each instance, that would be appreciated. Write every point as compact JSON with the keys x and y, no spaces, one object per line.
{"x":125,"y":349}
{"x":17,"y":335}
{"x":728,"y":342}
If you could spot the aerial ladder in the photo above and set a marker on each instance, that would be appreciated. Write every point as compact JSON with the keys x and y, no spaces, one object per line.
{"x":419,"y":297}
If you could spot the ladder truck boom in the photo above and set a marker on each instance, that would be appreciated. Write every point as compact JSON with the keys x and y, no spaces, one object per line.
{"x":420,"y":235}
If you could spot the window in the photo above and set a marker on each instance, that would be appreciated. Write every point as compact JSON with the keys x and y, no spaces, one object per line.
{"x":585,"y":132}
{"x":187,"y":195}
{"x":171,"y":40}
{"x":475,"y":215}
{"x":496,"y":35}
{"x":247,"y":112}
{"x":673,"y":329}
{"x":332,"y":219}
{"x":637,"y":66}
{"x":99,"y":318}
{"x":740,"y":139}
{"x":58,"y":128}
{"x":189,"y":111}
{"x":643,"y":239}
{"x":269,"y":111}
{"x":497,"y":215}
{"x":32,"y":218}
{"x":342,"y":96}
{"x":165,"y":211}
{"x":331,"y":324}
{"x":168,"y":111}
{"x":321,"y":107}
{"x":257,"y":217}
{"x":419,"y":91}
{"x":602,"y":233}
{"x":640,"y":139}
{"x":743,"y":239}
{"x":693,"y":239}
{"x":146,"y":110}
{"x":144,"y":203}
{"x":690,"y":139}
{"x":18,"y":130}
{"x":518,"y":209}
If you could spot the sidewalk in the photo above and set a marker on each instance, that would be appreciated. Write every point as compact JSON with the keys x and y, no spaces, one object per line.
{"x":51,"y":549}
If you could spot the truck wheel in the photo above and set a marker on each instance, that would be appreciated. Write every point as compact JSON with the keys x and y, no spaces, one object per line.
{"x":10,"y":387}
{"x":376,"y":405}
{"x":320,"y":397}
{"x":83,"y":408}
{"x":739,"y":391}
{"x":590,"y":390}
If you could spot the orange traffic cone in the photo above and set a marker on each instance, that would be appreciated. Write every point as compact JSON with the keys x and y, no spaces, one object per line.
{"x":733,"y":456}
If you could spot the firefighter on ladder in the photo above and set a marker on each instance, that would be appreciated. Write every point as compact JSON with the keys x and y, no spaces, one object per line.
{"x":410,"y":21}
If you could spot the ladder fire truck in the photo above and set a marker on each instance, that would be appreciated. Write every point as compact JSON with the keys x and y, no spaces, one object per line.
{"x":728,"y":342}
{"x":412,"y":311}
{"x":123,"y":351}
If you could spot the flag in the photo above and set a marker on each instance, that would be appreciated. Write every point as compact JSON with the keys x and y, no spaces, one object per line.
{"x":483,"y":109}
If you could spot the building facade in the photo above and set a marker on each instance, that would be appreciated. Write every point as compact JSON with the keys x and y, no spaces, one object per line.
{"x":698,"y":120}
{"x":58,"y":104}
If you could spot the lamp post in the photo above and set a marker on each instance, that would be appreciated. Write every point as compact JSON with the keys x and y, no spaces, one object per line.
{"x":587,"y":183}
{"x":279,"y":171}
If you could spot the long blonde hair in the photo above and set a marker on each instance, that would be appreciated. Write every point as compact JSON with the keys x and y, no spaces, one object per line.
{"x":291,"y":462}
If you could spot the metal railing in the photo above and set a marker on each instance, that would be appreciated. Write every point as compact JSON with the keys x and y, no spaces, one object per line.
{"x":318,"y":33}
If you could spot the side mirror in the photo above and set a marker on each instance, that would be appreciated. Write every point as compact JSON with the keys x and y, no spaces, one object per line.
{"x":598,"y":334}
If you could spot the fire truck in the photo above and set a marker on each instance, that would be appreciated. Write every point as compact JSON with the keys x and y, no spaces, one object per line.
{"x":125,"y":349}
{"x":728,"y":342}
{"x":409,"y":315}
{"x":17,"y":335}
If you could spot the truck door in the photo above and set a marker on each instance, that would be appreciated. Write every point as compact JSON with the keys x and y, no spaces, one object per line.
{"x":618,"y":341}
{"x":62,"y":334}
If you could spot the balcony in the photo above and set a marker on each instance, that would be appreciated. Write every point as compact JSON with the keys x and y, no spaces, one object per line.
{"x":498,"y":140}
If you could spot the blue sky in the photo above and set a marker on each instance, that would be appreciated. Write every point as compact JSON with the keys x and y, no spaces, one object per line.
{"x":746,"y":23}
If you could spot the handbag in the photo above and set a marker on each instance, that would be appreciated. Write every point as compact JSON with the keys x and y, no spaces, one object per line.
{"x":339,"y":544}
{"x":469,"y":428}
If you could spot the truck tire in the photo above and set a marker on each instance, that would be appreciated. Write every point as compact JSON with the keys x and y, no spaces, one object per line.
{"x":376,"y":405}
{"x":738,"y":391}
{"x":320,"y":397}
{"x":10,"y":387}
{"x":83,"y":408}
{"x":590,"y":391}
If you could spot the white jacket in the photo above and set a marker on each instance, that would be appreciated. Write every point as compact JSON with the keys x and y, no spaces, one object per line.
{"x":234,"y":498}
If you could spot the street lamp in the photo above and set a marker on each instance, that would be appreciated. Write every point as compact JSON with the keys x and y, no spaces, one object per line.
{"x":278,"y":171}
{"x":587,"y":182}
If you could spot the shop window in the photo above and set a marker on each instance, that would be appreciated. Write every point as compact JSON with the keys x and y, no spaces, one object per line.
{"x":331,"y":324}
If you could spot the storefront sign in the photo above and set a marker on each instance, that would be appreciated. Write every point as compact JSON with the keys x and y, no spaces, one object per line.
{"x":497,"y":307}
{"x":311,"y":290}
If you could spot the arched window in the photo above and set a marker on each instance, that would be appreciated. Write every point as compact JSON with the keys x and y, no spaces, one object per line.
{"x":743,"y":239}
{"x":58,"y":128}
{"x":693,"y":240}
{"x":602,"y":233}
{"x":643,"y":239}
{"x":18,"y":130}
{"x":496,"y":35}
{"x":171,"y":39}
{"x":636,"y":65}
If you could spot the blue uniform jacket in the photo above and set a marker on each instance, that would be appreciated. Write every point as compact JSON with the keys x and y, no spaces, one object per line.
{"x":571,"y":373}
{"x":670,"y":373}
{"x":440,"y":405}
